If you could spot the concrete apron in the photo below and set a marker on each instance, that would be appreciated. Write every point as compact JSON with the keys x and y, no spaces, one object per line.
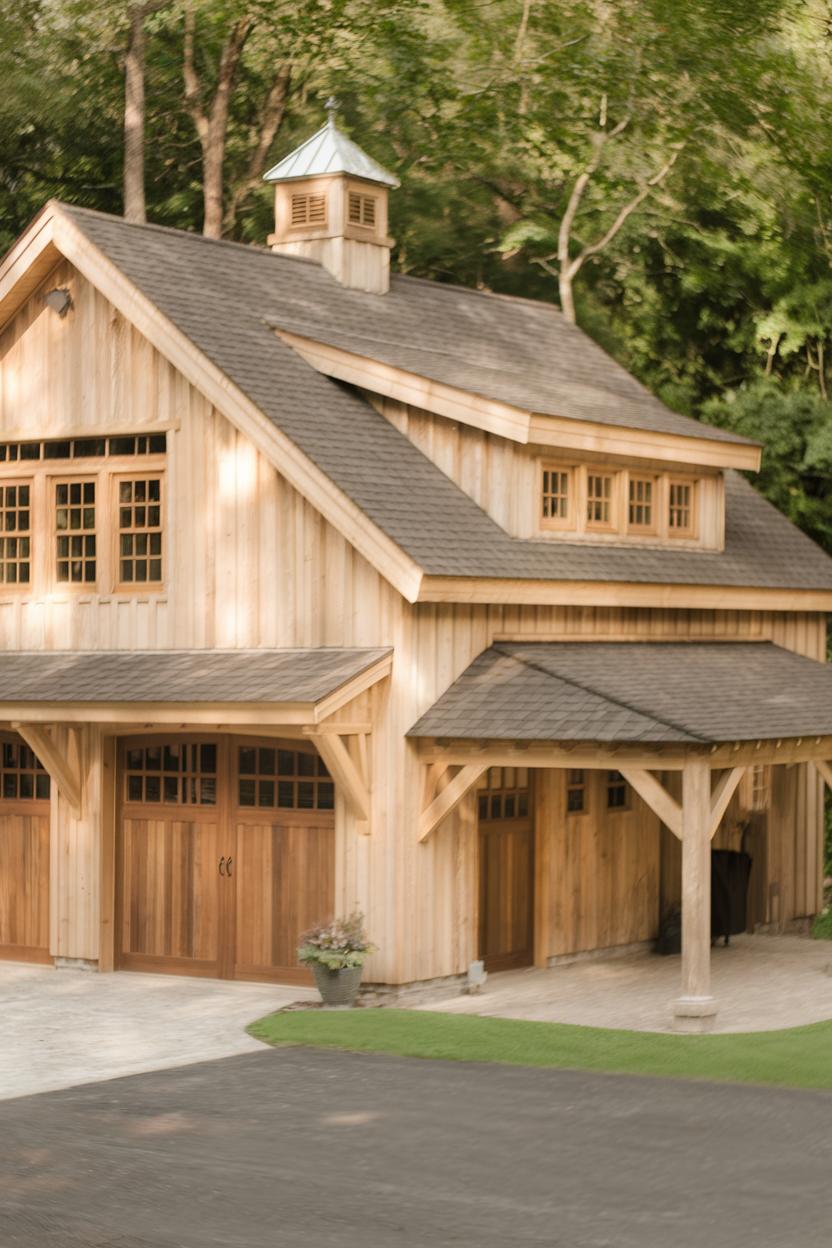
{"x":59,"y":1028}
{"x":759,"y":983}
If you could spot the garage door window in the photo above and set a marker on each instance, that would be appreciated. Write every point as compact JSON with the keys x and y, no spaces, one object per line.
{"x":283,"y":779}
{"x":173,"y":773}
{"x":22,"y":777}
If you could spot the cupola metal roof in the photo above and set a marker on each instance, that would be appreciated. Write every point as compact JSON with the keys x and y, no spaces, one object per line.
{"x":329,"y":151}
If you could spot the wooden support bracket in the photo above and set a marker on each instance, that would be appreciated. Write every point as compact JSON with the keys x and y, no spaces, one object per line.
{"x":825,"y":770}
{"x":62,"y":771}
{"x":346,"y":773}
{"x":450,"y":797}
{"x":722,"y":794}
{"x":656,"y":796}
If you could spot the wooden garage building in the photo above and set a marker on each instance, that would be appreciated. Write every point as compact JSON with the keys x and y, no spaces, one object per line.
{"x":322,"y":588}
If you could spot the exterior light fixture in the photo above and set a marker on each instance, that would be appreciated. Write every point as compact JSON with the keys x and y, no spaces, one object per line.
{"x":59,"y":300}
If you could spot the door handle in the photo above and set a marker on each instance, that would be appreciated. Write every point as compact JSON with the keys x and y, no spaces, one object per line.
{"x":221,"y":865}
{"x":228,"y":867}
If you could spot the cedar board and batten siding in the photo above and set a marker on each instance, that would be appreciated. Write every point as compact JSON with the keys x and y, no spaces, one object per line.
{"x":502,"y":476}
{"x":250,"y":563}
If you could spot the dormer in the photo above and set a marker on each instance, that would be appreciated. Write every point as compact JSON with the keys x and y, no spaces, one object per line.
{"x":331,"y":206}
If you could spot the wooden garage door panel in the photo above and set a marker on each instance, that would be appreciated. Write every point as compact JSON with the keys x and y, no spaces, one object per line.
{"x":169,"y":888}
{"x":24,"y":886}
{"x":284,"y":883}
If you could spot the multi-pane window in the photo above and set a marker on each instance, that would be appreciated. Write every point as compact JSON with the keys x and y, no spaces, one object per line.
{"x":576,"y":791}
{"x":617,"y":795}
{"x":361,"y":209}
{"x":15,"y":533}
{"x":139,"y":530}
{"x":309,"y":210}
{"x":505,"y":795}
{"x":75,"y":532}
{"x":556,"y":492}
{"x":599,"y":488}
{"x":274,"y":778}
{"x":173,"y":773}
{"x":641,"y":502}
{"x":83,"y":448}
{"x":680,"y":507}
{"x":22,"y":777}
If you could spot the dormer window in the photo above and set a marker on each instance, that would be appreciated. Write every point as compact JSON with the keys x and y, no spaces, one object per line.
{"x":680,"y":519}
{"x":600,"y":487}
{"x":642,"y":504}
{"x":597,"y":503}
{"x":558,"y":493}
{"x":361,"y":210}
{"x":308,"y":209}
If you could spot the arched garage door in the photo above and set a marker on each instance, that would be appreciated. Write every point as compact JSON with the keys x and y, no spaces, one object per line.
{"x":226,"y":855}
{"x":24,"y":853}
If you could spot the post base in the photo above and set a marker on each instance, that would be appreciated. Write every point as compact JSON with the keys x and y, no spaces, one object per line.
{"x":694,"y":1014}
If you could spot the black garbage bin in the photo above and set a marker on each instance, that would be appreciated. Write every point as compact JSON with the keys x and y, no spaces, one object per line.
{"x":730,"y":872}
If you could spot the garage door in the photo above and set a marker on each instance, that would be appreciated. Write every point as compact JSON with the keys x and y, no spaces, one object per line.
{"x":226,"y":855}
{"x":24,"y":853}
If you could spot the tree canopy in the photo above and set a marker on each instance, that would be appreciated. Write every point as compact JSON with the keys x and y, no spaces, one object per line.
{"x":663,"y":172}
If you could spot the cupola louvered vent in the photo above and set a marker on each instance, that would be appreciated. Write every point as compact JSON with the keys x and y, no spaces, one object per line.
{"x":308,"y":210}
{"x":362,"y":210}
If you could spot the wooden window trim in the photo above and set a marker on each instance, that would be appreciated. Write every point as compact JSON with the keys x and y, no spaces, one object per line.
{"x":21,"y":587}
{"x":567,"y":522}
{"x":691,"y":531}
{"x":209,"y":810}
{"x":18,"y":804}
{"x":610,"y":783}
{"x":613,"y":525}
{"x":318,"y":778}
{"x":73,"y":587}
{"x":654,"y":481}
{"x":572,"y":786}
{"x":135,"y":587}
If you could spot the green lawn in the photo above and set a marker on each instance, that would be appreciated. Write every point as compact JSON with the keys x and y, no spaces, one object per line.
{"x":799,"y":1058}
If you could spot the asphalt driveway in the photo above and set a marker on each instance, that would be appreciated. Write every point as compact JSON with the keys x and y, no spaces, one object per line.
{"x":318,"y":1150}
{"x":61,"y":1028}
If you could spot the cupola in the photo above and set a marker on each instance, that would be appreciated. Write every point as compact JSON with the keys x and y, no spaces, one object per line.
{"x":331,"y":205}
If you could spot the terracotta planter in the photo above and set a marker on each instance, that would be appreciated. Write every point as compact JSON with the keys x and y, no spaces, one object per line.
{"x":337,"y":987}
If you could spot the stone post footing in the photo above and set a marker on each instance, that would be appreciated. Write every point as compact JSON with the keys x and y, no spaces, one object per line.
{"x":694,"y":1014}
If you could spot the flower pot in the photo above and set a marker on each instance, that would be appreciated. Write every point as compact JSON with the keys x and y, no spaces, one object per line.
{"x":337,"y":987}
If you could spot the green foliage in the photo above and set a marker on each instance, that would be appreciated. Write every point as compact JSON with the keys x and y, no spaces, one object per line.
{"x":795,"y":427}
{"x":822,"y":926}
{"x":337,"y":945}
{"x":797,"y":1058}
{"x":714,"y":121}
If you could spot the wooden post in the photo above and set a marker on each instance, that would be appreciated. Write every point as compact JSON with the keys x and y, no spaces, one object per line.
{"x":696,"y":1008}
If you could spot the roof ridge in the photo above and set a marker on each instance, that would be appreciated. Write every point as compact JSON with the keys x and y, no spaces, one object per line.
{"x":154,"y":226}
{"x":577,"y":684}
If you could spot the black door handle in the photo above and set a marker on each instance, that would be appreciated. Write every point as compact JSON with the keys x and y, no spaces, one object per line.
{"x":221,"y":865}
{"x":228,"y":867}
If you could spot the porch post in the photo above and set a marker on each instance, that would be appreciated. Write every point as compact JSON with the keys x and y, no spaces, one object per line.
{"x":696,"y":1008}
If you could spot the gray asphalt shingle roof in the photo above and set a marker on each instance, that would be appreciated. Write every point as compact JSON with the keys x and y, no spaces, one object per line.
{"x":683,"y":692}
{"x":270,"y":676}
{"x":225,"y":297}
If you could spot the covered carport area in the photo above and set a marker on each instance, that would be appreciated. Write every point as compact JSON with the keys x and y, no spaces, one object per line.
{"x":704,"y":710}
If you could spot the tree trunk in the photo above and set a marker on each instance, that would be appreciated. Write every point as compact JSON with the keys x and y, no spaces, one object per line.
{"x":212,"y":125}
{"x":567,"y":301}
{"x":134,"y":201}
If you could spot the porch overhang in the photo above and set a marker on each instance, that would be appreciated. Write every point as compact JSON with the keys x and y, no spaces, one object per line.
{"x":641,"y":709}
{"x":289,"y":692}
{"x":216,"y":687}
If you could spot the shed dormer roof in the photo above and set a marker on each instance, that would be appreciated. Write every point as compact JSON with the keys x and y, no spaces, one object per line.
{"x":329,"y":151}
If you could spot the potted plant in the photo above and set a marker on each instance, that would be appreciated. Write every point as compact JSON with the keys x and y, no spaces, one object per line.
{"x":336,"y":952}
